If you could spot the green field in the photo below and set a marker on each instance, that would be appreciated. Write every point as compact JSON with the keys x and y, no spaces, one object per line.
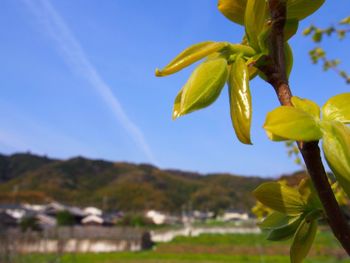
{"x":206,"y":249}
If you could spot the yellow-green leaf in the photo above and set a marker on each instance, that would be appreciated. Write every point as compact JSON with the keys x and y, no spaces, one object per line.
{"x":296,"y":9}
{"x":303,"y":239}
{"x":177,"y":105}
{"x":275,"y":138}
{"x":240,"y":100}
{"x":281,"y":198}
{"x":204,"y":86}
{"x":233,"y":10}
{"x":274,"y":220}
{"x":336,"y":147}
{"x":241,"y":49}
{"x":338,"y":108}
{"x":190,"y":55}
{"x":293,"y":124}
{"x":254,"y":20}
{"x":300,"y":9}
{"x":308,"y":192}
{"x":306,"y":105}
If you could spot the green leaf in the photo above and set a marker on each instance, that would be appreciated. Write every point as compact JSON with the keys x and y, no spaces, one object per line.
{"x":253,"y":64}
{"x":254,"y":20}
{"x":233,"y":10}
{"x":263,"y":38}
{"x":314,"y":214}
{"x":290,"y":28}
{"x":286,"y":231}
{"x":288,"y":53}
{"x":336,"y":147}
{"x":203,"y":87}
{"x":280,"y":225}
{"x":337,"y":108}
{"x":256,"y":59}
{"x":306,"y":105}
{"x":300,"y":9}
{"x":303,"y":239}
{"x":293,"y":124}
{"x":281,"y":198}
{"x":253,"y":72}
{"x":190,"y":55}
{"x":240,"y":100}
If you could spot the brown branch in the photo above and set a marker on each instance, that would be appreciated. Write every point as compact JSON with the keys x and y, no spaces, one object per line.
{"x":275,"y":72}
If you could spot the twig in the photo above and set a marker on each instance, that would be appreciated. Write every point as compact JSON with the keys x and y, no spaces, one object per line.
{"x":275,"y":72}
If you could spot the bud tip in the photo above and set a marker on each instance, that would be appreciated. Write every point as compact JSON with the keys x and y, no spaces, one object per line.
{"x":159,"y":73}
{"x":176,"y":115}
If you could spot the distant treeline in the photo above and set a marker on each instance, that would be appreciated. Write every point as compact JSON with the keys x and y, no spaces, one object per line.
{"x":120,"y":186}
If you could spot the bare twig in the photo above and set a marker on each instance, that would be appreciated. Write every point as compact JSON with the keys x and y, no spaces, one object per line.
{"x":275,"y":72}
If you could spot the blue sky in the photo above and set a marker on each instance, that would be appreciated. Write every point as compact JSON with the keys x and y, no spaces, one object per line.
{"x":77,"y":78}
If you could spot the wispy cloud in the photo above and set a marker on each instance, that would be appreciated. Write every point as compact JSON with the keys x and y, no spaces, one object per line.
{"x":75,"y":57}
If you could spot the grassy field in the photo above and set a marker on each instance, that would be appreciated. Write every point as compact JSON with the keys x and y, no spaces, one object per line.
{"x":207,"y":249}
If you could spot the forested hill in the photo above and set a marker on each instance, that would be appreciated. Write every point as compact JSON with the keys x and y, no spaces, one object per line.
{"x":119,"y":185}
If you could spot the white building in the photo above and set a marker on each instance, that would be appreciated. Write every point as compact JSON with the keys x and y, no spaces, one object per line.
{"x":157,"y":217}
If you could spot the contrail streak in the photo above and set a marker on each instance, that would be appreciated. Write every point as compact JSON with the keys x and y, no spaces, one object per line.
{"x":77,"y":60}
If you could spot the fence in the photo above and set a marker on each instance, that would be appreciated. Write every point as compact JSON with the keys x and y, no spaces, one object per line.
{"x":75,"y":239}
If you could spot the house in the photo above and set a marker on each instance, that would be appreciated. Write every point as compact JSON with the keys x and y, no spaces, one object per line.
{"x":202,"y":216}
{"x":7,"y":221}
{"x":160,"y":218}
{"x":77,"y":212}
{"x":45,"y":221}
{"x":234,"y":216}
{"x":53,"y":208}
{"x":112,"y":217}
{"x":33,"y":207}
{"x":92,"y":220}
{"x":92,"y":211}
{"x":14,"y":210}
